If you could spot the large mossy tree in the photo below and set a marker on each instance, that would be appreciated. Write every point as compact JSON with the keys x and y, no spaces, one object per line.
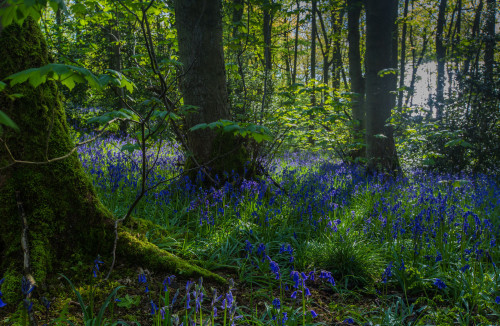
{"x":64,"y":216}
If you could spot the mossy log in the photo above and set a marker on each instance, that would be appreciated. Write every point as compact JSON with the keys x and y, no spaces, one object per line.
{"x":63,"y":213}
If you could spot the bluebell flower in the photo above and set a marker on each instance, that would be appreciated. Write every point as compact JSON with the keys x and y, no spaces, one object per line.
{"x":440,"y":284}
{"x":439,"y":257}
{"x":277,"y":303}
{"x":307,"y":292}
{"x":284,"y":319}
{"x":465,"y":268}
{"x":215,"y":311}
{"x":402,"y":267}
{"x":154,"y":308}
{"x":497,"y":300}
{"x":188,"y":299}
{"x":314,"y":314}
{"x":95,"y":269}
{"x":349,"y":321}
{"x":294,"y":295}
{"x":229,"y":298}
{"x":2,"y":304}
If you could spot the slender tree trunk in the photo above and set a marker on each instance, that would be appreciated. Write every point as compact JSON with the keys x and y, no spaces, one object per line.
{"x":267,"y":29}
{"x":337,"y":23}
{"x":355,"y":72}
{"x":402,"y":61}
{"x":440,"y":58}
{"x":489,"y":50}
{"x":296,"y":44}
{"x":474,"y":33}
{"x":314,"y":32}
{"x":381,"y":150}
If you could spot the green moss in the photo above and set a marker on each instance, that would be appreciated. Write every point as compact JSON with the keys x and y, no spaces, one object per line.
{"x":62,"y":210}
{"x":147,"y":254}
{"x":59,"y":202}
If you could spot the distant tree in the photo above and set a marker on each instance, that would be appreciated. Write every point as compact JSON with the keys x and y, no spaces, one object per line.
{"x":440,"y":58}
{"x":203,"y":84}
{"x":357,"y":81}
{"x":380,"y":83}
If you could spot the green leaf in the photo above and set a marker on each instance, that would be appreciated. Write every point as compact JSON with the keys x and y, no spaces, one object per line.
{"x":2,"y":86}
{"x":5,"y":120}
{"x":459,"y":183}
{"x":199,"y":126}
{"x":388,"y":71}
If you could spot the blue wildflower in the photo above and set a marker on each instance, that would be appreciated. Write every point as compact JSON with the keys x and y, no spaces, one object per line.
{"x":349,"y":321}
{"x":277,"y":303}
{"x":314,"y":314}
{"x":154,"y":308}
{"x":465,"y":268}
{"x":95,"y":269}
{"x":284,"y":319}
{"x":497,"y":300}
{"x":439,"y":257}
{"x":440,"y":284}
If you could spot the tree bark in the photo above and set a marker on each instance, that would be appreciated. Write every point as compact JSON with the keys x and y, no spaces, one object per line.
{"x":59,"y":202}
{"x":296,"y":44}
{"x":402,"y":61}
{"x":381,"y":150}
{"x":203,"y":84}
{"x":337,"y":23}
{"x":489,"y":50}
{"x":440,"y":58}
{"x":355,"y":72}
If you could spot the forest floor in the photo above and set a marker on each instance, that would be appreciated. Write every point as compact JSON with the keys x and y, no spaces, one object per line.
{"x":329,"y":246}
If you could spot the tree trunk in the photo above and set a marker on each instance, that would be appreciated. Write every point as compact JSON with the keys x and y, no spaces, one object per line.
{"x":402,"y":61}
{"x":296,"y":44}
{"x":381,"y":150}
{"x":489,"y":50}
{"x":337,"y":23}
{"x":313,"y":47}
{"x":203,"y":84}
{"x":355,"y":73}
{"x":268,"y":65}
{"x":440,"y":58}
{"x":59,"y":202}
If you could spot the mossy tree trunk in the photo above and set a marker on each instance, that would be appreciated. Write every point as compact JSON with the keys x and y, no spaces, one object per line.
{"x":59,"y":201}
{"x":63,"y":213}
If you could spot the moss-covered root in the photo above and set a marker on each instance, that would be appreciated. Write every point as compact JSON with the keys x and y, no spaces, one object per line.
{"x":148,"y":255}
